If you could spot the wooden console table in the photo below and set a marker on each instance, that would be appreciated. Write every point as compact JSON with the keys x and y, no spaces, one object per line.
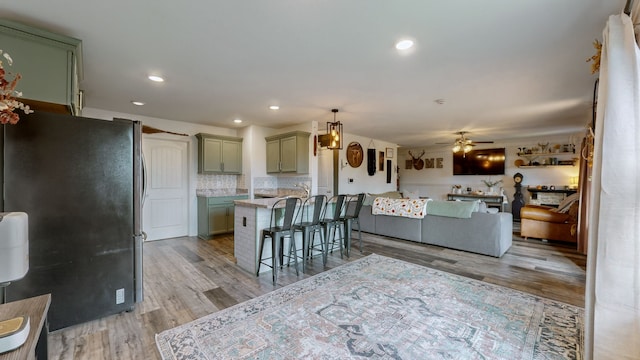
{"x":490,"y":200}
{"x":36,"y":308}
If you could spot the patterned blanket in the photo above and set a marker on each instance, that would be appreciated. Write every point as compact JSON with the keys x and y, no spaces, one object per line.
{"x":411,"y":208}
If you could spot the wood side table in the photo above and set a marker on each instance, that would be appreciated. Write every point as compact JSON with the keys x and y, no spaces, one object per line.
{"x":36,"y":308}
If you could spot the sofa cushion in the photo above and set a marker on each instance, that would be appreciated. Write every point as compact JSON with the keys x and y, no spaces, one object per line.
{"x":487,"y":234}
{"x":456,"y":209}
{"x":368,"y":199}
{"x":399,"y":227}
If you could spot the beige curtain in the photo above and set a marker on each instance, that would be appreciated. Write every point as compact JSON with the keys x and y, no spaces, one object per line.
{"x":612,"y":301}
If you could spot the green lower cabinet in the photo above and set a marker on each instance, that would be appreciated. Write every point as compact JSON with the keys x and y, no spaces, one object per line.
{"x":216,"y":215}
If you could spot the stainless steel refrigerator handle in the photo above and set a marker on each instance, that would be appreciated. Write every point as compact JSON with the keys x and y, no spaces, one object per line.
{"x":144,"y":179}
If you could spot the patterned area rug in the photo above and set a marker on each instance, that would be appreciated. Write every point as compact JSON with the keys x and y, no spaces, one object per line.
{"x":378,"y":307}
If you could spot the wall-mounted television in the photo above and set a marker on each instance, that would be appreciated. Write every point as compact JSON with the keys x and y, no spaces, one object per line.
{"x":479,"y":162}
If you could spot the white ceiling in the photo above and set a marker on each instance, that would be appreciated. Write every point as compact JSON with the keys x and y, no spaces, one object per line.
{"x":504,"y":68}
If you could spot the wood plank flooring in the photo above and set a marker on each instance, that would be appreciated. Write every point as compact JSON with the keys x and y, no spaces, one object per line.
{"x":187,"y":278}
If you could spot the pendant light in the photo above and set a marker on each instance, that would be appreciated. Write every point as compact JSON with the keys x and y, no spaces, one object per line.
{"x":333,"y":138}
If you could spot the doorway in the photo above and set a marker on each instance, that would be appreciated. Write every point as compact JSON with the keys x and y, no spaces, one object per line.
{"x":165,"y":204}
{"x":325,"y":172}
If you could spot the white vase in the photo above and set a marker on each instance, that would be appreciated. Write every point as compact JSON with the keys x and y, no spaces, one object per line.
{"x":491,"y":191}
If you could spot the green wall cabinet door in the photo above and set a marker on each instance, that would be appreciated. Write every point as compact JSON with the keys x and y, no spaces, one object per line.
{"x":219,"y":154}
{"x":50,"y":64}
{"x":288,"y":153}
{"x":273,"y":156}
{"x":232,"y":156}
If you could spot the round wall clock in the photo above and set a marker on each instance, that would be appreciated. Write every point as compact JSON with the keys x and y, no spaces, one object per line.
{"x":355,"y":154}
{"x":517,"y":178}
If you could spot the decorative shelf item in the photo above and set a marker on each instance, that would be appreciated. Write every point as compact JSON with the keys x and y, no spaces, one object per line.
{"x":545,"y":159}
{"x":545,"y":165}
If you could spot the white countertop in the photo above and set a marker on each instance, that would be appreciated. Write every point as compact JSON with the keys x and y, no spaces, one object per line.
{"x":266,"y":203}
{"x":219,"y":192}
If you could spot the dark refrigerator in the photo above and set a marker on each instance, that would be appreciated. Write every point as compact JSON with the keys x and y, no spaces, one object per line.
{"x":80,"y":182}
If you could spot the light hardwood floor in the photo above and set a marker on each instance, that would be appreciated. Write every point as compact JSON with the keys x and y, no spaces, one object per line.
{"x":187,"y":278}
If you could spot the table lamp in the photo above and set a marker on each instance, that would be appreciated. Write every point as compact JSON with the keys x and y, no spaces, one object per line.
{"x":14,"y":264}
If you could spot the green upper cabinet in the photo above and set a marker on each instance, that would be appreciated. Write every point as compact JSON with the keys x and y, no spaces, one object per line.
{"x":288,"y":153}
{"x":273,"y":156}
{"x":50,"y":64}
{"x":219,"y":154}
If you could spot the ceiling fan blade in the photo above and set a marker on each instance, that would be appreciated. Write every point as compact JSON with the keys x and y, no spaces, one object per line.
{"x":483,"y":142}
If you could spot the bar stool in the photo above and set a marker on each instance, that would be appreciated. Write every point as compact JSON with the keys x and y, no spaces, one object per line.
{"x":280,"y":226}
{"x":333,"y":222}
{"x":351,"y":217}
{"x":309,"y":225}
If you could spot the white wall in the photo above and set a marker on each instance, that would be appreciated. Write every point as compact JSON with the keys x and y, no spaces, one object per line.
{"x":436,"y":183}
{"x":362,"y":182}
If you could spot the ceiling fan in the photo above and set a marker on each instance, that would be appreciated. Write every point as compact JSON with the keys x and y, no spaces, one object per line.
{"x":464,"y":144}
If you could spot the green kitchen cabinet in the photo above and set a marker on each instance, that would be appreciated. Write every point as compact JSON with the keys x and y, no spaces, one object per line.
{"x":219,"y":154}
{"x":50,"y":64}
{"x":288,"y":153}
{"x":216,"y":215}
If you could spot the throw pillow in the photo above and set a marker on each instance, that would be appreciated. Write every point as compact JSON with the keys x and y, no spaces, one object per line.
{"x":411,"y":195}
{"x":565,"y":204}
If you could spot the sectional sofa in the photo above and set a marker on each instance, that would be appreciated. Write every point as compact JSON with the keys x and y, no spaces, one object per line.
{"x":482,"y":232}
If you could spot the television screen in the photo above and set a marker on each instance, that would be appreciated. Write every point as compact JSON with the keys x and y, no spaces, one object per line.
{"x":479,"y":162}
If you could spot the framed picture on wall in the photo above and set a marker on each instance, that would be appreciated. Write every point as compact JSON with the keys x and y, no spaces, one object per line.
{"x":381,"y":161}
{"x":389,"y":153}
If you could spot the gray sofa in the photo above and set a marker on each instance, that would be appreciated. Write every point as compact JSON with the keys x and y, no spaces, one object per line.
{"x":483,"y":233}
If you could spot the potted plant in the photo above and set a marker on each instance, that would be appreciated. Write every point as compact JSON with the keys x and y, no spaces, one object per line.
{"x":490,"y":184}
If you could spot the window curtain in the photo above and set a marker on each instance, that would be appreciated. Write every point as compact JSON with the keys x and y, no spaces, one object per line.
{"x":612,"y":299}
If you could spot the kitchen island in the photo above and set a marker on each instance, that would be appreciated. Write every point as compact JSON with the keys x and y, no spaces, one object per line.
{"x":251,"y":216}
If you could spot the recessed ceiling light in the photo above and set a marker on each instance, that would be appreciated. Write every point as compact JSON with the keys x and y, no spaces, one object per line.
{"x":137,"y":103}
{"x":237,"y":121}
{"x":404,"y":44}
{"x":155,"y":78}
{"x":274,"y":107}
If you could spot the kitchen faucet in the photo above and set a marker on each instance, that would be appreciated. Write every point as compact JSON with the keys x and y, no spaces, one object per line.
{"x":305,"y":188}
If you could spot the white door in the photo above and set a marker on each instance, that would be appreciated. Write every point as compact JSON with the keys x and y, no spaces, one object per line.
{"x":165,"y":208}
{"x":325,"y":172}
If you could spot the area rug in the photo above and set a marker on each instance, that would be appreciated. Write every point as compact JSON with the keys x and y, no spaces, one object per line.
{"x":379,"y":307}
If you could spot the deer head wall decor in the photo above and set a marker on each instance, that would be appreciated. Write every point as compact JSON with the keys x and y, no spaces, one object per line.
{"x":418,"y":163}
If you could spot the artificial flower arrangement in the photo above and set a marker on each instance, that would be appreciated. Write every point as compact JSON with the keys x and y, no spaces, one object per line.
{"x":490,"y":183}
{"x":8,"y":103}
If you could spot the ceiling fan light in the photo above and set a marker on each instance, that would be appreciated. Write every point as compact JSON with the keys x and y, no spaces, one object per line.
{"x":456,"y":148}
{"x":467,"y":148}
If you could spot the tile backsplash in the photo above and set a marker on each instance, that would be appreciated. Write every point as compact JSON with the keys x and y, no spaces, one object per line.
{"x":218,"y":181}
{"x":282,"y":182}
{"x":232,"y":182}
